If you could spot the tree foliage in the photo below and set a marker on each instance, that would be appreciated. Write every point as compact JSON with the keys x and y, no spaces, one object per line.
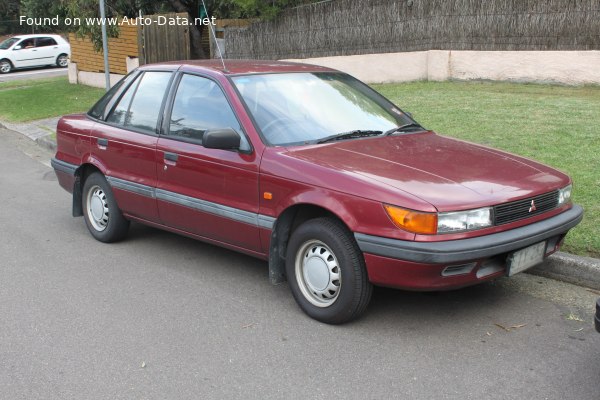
{"x":266,"y":9}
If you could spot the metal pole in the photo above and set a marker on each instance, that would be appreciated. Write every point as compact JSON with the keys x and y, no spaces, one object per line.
{"x":104,"y":44}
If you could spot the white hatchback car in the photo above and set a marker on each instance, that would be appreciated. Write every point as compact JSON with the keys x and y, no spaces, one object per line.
{"x":25,"y":51}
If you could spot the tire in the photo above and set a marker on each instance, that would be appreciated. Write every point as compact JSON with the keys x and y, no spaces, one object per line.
{"x":5,"y":66}
{"x":326,"y":271}
{"x":102,"y":216}
{"x":62,"y":60}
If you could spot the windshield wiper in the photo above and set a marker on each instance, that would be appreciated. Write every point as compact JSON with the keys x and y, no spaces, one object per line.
{"x":348,"y":135}
{"x":401,"y":128}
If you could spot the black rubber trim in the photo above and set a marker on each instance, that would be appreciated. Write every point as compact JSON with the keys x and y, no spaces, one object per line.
{"x":133,"y":187}
{"x":63,"y":166}
{"x":597,"y":318}
{"x":453,"y":251}
{"x":262,"y":221}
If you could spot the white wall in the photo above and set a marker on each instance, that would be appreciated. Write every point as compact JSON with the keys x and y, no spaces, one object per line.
{"x":98,"y":79}
{"x":565,"y":67}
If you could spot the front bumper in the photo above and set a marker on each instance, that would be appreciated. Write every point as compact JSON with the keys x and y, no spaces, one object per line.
{"x":425,"y":265}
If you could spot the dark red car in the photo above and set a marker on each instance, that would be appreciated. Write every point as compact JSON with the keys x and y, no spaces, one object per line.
{"x":312,"y":170}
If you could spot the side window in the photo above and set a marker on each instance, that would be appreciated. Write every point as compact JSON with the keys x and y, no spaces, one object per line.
{"x":45,"y":41}
{"x":201,"y":105}
{"x":140,"y":106}
{"x":99,"y":109}
{"x":27,"y":43}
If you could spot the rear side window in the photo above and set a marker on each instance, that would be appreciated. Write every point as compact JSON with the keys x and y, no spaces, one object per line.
{"x":140,"y":105}
{"x":45,"y":41}
{"x":98,"y":110}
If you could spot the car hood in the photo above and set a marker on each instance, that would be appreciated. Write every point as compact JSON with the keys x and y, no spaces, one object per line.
{"x":447,"y":173}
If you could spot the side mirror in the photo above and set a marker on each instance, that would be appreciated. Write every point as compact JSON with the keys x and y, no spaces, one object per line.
{"x":224,"y":139}
{"x":17,"y":47}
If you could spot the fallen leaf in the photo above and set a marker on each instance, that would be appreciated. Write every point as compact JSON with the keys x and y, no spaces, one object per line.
{"x":489,"y":334}
{"x":578,"y":330}
{"x":508,"y":329}
{"x":249,"y":325}
{"x":143,"y":364}
{"x":573,"y":317}
{"x":502,"y":327}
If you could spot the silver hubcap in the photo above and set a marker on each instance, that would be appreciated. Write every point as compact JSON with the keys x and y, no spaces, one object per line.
{"x":97,"y":208}
{"x":62,"y":61}
{"x":318,"y":273}
{"x":5,"y":66}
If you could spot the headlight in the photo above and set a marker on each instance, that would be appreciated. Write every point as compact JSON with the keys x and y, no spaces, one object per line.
{"x":564,"y":195}
{"x":450,"y":222}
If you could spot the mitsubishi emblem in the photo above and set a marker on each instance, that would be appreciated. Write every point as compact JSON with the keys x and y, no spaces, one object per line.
{"x":533,"y":207}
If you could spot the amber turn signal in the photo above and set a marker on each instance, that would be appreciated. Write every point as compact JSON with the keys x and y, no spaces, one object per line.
{"x":267,"y":195}
{"x":412,"y":221}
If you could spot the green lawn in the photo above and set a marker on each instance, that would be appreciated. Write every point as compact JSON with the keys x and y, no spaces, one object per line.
{"x":36,"y":99}
{"x":556,"y":125}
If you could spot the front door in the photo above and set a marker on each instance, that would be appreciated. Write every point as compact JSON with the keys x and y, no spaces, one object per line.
{"x":25,"y":53}
{"x":208,"y":192}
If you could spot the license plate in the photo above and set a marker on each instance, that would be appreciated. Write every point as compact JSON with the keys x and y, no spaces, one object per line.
{"x":526,"y":258}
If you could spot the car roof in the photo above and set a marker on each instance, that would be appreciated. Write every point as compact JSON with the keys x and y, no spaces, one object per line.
{"x":242,"y":67}
{"x":28,"y":36}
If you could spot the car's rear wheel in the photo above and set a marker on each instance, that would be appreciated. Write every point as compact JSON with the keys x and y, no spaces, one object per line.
{"x":5,"y":66}
{"x":103,"y":218}
{"x":326,"y":271}
{"x":62,"y":60}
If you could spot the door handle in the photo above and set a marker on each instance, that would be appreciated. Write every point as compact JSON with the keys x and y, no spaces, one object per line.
{"x":102,"y":143}
{"x":171,"y":157}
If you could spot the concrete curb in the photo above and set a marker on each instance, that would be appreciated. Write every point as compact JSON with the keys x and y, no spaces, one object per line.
{"x":565,"y":267}
{"x":47,"y":142}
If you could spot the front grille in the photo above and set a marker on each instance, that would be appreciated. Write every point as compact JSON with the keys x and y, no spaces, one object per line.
{"x":517,"y":210}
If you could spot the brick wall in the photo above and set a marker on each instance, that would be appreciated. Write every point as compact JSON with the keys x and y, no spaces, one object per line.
{"x":87,"y":59}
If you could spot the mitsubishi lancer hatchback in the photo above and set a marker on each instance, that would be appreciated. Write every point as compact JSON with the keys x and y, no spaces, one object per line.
{"x":309,"y":169}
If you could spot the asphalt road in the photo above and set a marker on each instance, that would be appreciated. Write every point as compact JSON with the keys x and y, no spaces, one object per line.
{"x":33,"y":73}
{"x":160,"y":316}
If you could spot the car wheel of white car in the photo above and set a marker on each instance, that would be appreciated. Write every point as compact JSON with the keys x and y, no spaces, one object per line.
{"x":62,"y":60}
{"x":5,"y":66}
{"x":326,"y":271}
{"x":103,"y":218}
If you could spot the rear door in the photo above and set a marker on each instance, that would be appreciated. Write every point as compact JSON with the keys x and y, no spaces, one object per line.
{"x":125,"y":144}
{"x":47,"y":50}
{"x":208,"y":192}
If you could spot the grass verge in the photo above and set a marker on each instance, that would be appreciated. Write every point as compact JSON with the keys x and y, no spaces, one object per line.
{"x":33,"y":99}
{"x":555,"y":125}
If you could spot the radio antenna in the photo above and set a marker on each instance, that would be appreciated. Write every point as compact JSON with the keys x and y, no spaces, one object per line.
{"x":212,"y":29}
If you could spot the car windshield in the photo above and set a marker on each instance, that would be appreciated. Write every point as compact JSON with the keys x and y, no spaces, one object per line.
{"x":8,"y":42}
{"x":302,"y":108}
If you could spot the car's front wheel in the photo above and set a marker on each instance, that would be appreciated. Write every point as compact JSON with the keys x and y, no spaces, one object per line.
{"x":326,"y":271}
{"x":5,"y":66}
{"x":62,"y":61}
{"x":103,"y":218}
